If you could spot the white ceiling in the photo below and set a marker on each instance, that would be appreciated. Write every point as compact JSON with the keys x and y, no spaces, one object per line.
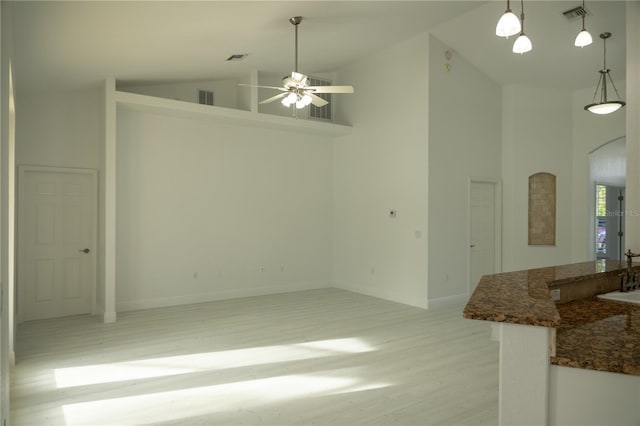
{"x":76,"y":44}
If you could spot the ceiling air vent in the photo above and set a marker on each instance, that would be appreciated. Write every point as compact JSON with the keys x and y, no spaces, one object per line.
{"x":205,"y":97}
{"x":576,"y":12}
{"x":237,"y":57}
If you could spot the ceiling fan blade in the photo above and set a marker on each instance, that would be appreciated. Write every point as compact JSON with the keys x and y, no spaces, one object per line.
{"x":263,"y":87}
{"x":274,"y":98}
{"x":317,"y":100}
{"x":330,"y":89}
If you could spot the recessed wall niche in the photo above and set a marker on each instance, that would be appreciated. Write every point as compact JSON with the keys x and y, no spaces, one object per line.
{"x":542,"y":209}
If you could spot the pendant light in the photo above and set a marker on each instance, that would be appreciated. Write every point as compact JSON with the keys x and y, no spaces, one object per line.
{"x":509,"y":24}
{"x":605,"y":106}
{"x":522,"y":43}
{"x":583,"y":38}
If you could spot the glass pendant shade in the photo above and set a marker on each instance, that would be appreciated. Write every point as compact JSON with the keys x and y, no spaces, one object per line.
{"x":300,"y":101}
{"x":522,"y":44}
{"x":289,"y":99}
{"x":583,"y":39}
{"x":508,"y":25}
{"x":303,"y":101}
{"x":606,"y":108}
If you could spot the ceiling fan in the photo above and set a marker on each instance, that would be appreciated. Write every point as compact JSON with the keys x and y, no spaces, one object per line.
{"x":295,"y":87}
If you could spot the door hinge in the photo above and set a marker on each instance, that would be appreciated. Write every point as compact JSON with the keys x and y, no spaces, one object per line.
{"x":620,"y":233}
{"x":620,"y":197}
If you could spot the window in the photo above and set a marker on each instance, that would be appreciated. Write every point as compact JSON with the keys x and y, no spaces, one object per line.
{"x":601,"y":220}
{"x":601,"y":200}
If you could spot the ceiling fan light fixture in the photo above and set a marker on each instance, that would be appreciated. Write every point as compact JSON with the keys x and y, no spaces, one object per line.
{"x":303,"y":101}
{"x":605,"y":106}
{"x":291,"y":98}
{"x":295,"y":88}
{"x":509,"y":24}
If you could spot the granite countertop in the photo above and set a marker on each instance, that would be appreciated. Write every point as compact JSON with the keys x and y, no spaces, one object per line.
{"x":591,"y":333}
{"x":599,"y":335}
{"x":522,"y":297}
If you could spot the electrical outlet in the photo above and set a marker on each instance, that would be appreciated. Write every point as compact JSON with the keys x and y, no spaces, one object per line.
{"x":555,"y":294}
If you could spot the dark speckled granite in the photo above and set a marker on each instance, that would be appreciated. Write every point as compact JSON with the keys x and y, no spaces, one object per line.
{"x":599,"y":335}
{"x":591,"y":333}
{"x":522,"y":297}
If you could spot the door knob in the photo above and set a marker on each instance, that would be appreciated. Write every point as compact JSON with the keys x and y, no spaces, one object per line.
{"x":472,"y":245}
{"x":85,"y":251}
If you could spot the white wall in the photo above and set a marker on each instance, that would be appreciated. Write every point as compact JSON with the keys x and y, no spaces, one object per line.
{"x":225,"y":92}
{"x":202,"y":207}
{"x":536,"y":138}
{"x":592,"y":398}
{"x":4,"y":144}
{"x":382,"y":166}
{"x":7,"y":143}
{"x":59,"y":129}
{"x":464,"y":143}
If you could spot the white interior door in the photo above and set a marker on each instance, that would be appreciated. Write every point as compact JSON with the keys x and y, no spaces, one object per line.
{"x":57,"y":239}
{"x":482,"y":239}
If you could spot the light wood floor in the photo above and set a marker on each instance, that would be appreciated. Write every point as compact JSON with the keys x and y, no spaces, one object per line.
{"x":321,"y":357}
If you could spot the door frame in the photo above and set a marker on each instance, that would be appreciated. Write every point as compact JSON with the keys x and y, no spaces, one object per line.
{"x":22,"y":171}
{"x":497,"y":225}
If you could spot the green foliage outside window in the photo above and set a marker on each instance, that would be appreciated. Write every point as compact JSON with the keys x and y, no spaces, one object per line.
{"x":601,"y":200}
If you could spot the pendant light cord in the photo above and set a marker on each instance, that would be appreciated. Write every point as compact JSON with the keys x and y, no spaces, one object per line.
{"x":604,"y":61}
{"x":584,"y":12}
{"x":522,"y":17}
{"x":604,"y":73}
{"x":295,"y":68}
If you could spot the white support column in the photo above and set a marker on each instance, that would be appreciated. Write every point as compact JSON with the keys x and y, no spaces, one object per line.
{"x":110,"y":202}
{"x":254,"y":91}
{"x":632,"y":224}
{"x":523,"y":395}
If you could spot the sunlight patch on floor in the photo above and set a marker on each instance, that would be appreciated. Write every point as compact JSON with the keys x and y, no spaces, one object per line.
{"x":185,"y":403}
{"x":209,"y":361}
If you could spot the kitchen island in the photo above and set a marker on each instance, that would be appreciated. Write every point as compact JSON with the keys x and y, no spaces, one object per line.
{"x":572,"y":360}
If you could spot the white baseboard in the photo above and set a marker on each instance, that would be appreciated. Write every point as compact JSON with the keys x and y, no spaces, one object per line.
{"x":448,"y":300}
{"x":389,"y":295}
{"x":108,"y":317}
{"x":188,"y":299}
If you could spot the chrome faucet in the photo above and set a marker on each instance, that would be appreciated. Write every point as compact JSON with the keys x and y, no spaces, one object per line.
{"x":629,"y":279}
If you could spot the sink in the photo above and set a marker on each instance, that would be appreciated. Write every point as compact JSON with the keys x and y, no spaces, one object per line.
{"x":619,"y":296}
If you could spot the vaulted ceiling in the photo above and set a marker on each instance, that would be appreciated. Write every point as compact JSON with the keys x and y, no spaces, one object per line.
{"x":66,"y":45}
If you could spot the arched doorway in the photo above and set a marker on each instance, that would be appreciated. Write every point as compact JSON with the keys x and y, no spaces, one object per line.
{"x":607,"y":170}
